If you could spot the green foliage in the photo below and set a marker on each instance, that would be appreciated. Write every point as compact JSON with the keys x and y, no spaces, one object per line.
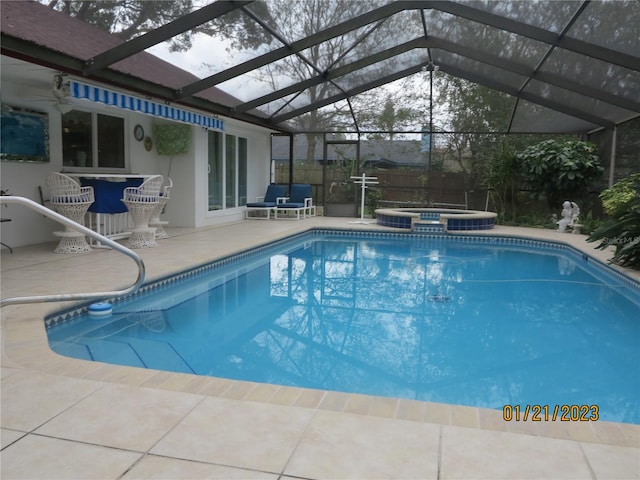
{"x":620,"y":193}
{"x":622,"y":231}
{"x":560,"y":169}
{"x":475,"y":108}
{"x":372,"y":198}
{"x":390,"y":119}
{"x":472,"y":109}
{"x":172,"y":138}
{"x":502,"y":176}
{"x":589,"y":223}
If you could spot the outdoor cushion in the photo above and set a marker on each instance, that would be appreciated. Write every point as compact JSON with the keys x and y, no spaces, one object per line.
{"x":291,"y":205}
{"x":108,"y":195}
{"x":297,"y":196}
{"x":271,"y":197}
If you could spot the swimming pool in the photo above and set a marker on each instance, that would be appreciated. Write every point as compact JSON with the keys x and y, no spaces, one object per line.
{"x":471,"y":320}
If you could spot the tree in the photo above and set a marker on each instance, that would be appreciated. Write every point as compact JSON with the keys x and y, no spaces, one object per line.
{"x":503,"y":178}
{"x":560,"y":169}
{"x":390,"y":119}
{"x":474,"y":111}
{"x":296,"y":20}
{"x":127,"y":19}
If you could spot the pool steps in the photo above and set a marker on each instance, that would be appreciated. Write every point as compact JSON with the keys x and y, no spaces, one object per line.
{"x":432,"y":220}
{"x":429,"y":222}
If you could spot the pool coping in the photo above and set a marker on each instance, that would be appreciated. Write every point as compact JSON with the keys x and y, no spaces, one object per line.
{"x":25,"y":345}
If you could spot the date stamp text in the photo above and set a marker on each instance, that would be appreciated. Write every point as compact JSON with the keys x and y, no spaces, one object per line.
{"x":550,"y":413}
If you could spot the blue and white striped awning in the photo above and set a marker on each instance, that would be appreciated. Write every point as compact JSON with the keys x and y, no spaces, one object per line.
{"x":148,"y":107}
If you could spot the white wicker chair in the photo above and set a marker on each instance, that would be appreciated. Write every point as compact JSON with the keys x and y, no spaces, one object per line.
{"x":155,"y":216}
{"x":141,"y":202}
{"x":68,"y":198}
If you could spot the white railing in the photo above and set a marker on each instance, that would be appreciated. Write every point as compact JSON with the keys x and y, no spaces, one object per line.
{"x":111,"y":225}
{"x":5,"y":199}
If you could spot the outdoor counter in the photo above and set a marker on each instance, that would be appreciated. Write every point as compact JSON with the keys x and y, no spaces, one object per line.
{"x":108,"y":215}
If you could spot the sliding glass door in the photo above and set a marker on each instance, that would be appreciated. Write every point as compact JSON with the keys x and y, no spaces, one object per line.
{"x":227,"y":171}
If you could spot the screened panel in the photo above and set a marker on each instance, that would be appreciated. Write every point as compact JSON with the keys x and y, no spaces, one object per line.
{"x":494,"y":74}
{"x":263,"y":80}
{"x":212,"y":47}
{"x":595,"y":73}
{"x":284,"y":16}
{"x":532,"y":47}
{"x":530,"y":117}
{"x":382,"y":69}
{"x":600,"y":24}
{"x":604,"y":140}
{"x":307,"y":161}
{"x":578,"y":102}
{"x":499,"y":43}
{"x":628,"y":150}
{"x":309,"y":95}
{"x":275,"y":107}
{"x":384,"y":34}
{"x":550,"y":15}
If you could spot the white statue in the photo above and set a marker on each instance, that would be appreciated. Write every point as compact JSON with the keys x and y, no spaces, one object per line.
{"x":570,"y":213}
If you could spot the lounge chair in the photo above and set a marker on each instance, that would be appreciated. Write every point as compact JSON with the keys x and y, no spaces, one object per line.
{"x":274,"y":195}
{"x":299,"y":202}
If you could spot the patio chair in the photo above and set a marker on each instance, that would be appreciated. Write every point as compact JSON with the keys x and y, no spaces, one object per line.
{"x":68,"y":198}
{"x":155,"y":221}
{"x":299,"y":202}
{"x":275,"y":194}
{"x":141,"y":202}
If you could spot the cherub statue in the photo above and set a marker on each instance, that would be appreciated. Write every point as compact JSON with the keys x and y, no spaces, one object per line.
{"x":570,"y":213}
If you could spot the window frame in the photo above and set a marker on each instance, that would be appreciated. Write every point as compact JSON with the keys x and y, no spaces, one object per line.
{"x":95,"y":143}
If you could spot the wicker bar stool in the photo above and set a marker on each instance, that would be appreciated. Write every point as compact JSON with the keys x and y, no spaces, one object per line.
{"x":141,"y":202}
{"x":155,"y":216}
{"x":68,"y":198}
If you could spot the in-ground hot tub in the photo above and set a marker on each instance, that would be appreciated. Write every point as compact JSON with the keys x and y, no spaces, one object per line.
{"x":450,"y":219}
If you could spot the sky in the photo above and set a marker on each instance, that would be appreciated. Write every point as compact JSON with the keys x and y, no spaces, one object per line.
{"x":208,"y":55}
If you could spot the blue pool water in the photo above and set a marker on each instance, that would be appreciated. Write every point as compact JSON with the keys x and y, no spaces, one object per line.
{"x":476,"y":321}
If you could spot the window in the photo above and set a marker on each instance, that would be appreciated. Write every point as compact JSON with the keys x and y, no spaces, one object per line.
{"x":92,"y":140}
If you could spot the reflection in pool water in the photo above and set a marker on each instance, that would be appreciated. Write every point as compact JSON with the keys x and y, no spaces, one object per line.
{"x":429,"y":318}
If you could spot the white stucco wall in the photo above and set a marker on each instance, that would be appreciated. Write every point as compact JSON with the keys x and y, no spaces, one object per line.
{"x":189,"y":196}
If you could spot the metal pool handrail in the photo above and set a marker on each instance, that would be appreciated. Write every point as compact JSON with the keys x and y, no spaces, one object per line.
{"x":5,"y":199}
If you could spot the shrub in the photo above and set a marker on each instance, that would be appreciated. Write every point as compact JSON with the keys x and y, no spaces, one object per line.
{"x":622,"y":230}
{"x":560,"y":169}
{"x":620,"y":193}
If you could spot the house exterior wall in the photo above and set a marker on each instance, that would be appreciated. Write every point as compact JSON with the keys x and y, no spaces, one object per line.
{"x":188,"y":206}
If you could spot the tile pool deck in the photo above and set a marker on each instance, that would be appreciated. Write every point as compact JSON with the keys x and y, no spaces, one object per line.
{"x":71,"y":419}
